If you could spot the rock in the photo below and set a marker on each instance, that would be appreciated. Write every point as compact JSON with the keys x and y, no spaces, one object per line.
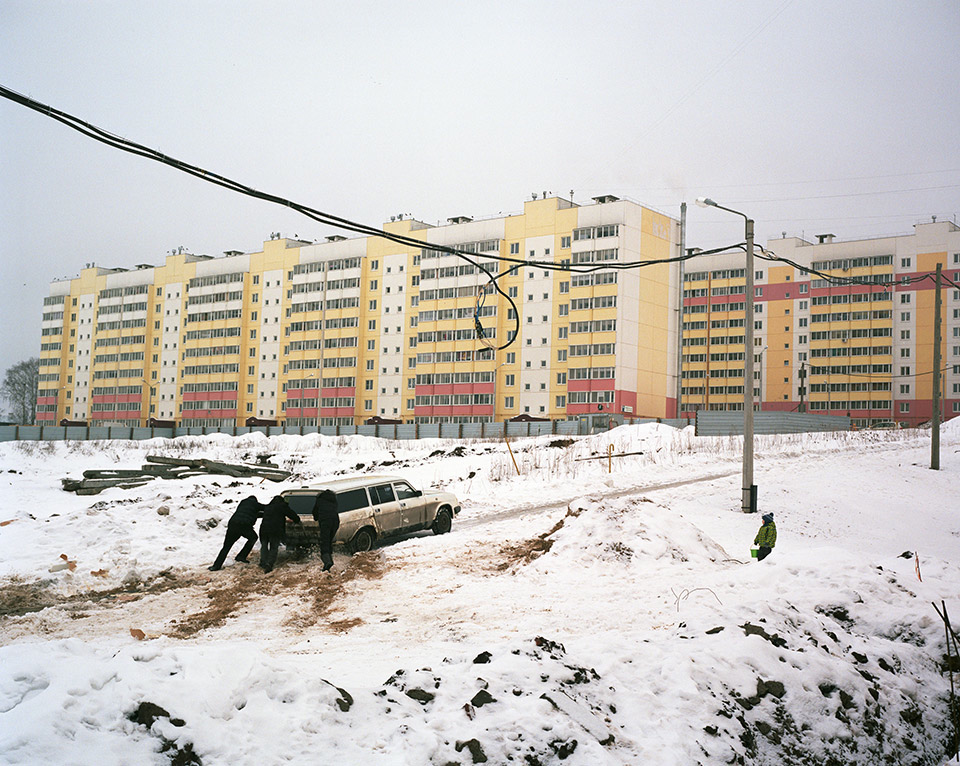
{"x":146,"y":713}
{"x":481,"y":698}
{"x":476,"y":750}
{"x":770,"y":687}
{"x":755,"y":630}
{"x":563,"y":749}
{"x":163,"y":511}
{"x":714,"y":630}
{"x":906,"y":555}
{"x":423,"y":697}
{"x":207,"y":524}
{"x":482,"y":658}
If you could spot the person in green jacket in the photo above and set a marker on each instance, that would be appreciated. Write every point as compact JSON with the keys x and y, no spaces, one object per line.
{"x":767,"y":537}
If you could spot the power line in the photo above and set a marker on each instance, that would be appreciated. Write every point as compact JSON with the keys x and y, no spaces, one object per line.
{"x":118,"y":142}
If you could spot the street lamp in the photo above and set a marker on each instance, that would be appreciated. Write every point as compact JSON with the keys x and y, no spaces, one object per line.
{"x":749,"y":498}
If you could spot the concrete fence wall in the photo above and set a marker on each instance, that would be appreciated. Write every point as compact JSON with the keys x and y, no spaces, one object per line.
{"x":731,"y":423}
{"x":397,"y":431}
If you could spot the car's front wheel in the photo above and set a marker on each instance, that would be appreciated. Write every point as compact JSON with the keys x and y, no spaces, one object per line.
{"x":362,"y":541}
{"x":441,"y":524}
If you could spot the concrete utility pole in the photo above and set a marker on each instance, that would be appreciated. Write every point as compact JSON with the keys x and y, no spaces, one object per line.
{"x":935,"y":419}
{"x":749,"y":497}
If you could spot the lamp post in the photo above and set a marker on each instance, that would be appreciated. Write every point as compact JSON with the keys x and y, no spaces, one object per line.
{"x":749,"y":497}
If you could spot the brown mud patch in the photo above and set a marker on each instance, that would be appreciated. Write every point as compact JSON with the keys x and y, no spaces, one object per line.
{"x":515,"y":555}
{"x":18,"y":597}
{"x":324,"y":590}
{"x":318,"y":589}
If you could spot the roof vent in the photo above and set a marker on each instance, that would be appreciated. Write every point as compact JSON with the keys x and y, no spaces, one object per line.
{"x":229,"y":253}
{"x":825,"y":239}
{"x":604,"y":198}
{"x":460,"y":219}
{"x":335,"y":238}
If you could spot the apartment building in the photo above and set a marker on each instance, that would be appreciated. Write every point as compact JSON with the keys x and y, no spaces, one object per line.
{"x":863,"y":350}
{"x":341,"y":331}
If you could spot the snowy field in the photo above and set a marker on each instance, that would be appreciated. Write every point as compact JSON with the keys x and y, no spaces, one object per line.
{"x":573,"y":615}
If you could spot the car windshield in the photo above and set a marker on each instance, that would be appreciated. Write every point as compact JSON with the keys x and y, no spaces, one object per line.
{"x":404,"y":491}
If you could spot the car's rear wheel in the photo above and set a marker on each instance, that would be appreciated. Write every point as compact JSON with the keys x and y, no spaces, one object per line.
{"x":362,"y":541}
{"x":441,"y":524}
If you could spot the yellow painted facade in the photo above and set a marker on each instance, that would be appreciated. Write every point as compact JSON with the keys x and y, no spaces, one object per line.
{"x":863,"y":350}
{"x":340,"y":331}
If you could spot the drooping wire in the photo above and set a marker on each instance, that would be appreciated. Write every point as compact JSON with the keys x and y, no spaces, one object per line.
{"x":118,"y":142}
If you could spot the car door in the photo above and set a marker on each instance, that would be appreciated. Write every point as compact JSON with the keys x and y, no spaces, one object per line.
{"x":411,"y":505}
{"x":387,"y":513}
{"x":354,"y":510}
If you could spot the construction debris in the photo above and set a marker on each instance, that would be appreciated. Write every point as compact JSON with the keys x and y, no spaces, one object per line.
{"x":95,"y":481}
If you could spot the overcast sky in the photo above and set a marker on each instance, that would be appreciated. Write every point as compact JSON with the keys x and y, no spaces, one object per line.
{"x":810,"y":116}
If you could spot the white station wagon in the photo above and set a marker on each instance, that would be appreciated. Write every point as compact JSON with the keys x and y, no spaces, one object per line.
{"x":371,"y":508}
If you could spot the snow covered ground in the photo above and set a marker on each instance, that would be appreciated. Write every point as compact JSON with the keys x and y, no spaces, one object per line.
{"x":573,"y":614}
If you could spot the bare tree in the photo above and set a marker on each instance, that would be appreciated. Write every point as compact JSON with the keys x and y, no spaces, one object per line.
{"x":19,"y":388}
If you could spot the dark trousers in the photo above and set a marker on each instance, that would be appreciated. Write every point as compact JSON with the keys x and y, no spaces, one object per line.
{"x":234,"y":533}
{"x":328,"y":530}
{"x":763,"y":552}
{"x":269,"y":547}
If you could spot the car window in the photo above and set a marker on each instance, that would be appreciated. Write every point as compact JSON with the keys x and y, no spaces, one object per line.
{"x":351,"y":500}
{"x":302,"y":505}
{"x":405,"y":491}
{"x":382,"y":493}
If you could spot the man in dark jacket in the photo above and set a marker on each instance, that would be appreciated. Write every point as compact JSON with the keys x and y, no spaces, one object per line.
{"x":328,"y":517}
{"x":767,"y":537}
{"x":271,"y":530}
{"x":240,"y":525}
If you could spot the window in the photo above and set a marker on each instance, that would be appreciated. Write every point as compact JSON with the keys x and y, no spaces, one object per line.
{"x":565,"y":243}
{"x":562,"y":355}
{"x":904,"y":316}
{"x":904,"y":353}
{"x":561,"y":378}
{"x":373,"y":305}
{"x":804,"y":305}
{"x":904,"y":372}
{"x":511,"y":357}
{"x":375,"y":264}
{"x":904,"y":263}
{"x":564,"y":287}
{"x":904,"y":389}
{"x":904,"y":406}
{"x":512,"y":291}
{"x":904,"y":297}
{"x":803,"y":290}
{"x":373,"y":284}
{"x":904,"y":335}
{"x":561,"y":333}
{"x":514,"y":250}
{"x":758,"y":291}
{"x":510,"y":380}
{"x":802,"y":322}
{"x":508,"y":403}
